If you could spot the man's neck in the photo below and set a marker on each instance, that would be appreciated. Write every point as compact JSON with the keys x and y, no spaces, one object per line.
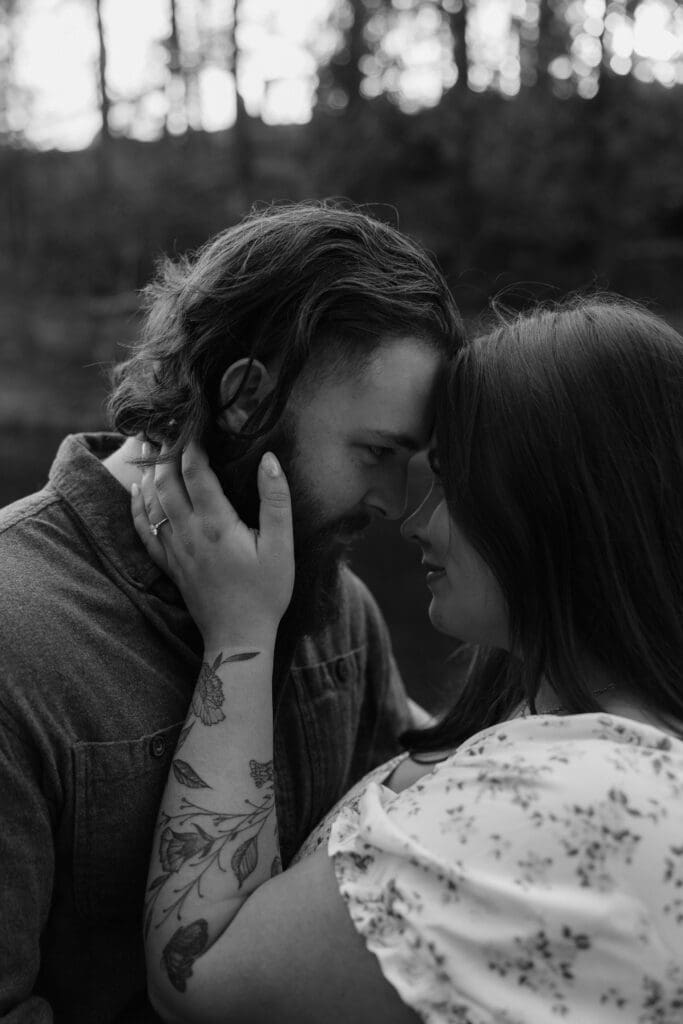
{"x":121,"y":463}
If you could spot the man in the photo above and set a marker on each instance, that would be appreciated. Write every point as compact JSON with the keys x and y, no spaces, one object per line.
{"x":311,"y":330}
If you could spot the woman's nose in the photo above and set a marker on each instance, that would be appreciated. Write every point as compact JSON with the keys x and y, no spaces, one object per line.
{"x":415,"y":526}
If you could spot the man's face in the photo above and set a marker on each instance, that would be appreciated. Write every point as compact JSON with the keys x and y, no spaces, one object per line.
{"x":345,"y":444}
{"x":345,"y":448}
{"x":354,"y":436}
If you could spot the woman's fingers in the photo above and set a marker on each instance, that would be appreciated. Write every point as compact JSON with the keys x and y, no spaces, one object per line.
{"x":153,"y":506}
{"x":152,"y":543}
{"x":169,"y":490}
{"x":227,"y":573}
{"x":203,"y":489}
{"x":276,"y":540}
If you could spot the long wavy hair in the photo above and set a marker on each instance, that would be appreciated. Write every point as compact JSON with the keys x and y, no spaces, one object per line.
{"x":560,"y":439}
{"x":296,"y":282}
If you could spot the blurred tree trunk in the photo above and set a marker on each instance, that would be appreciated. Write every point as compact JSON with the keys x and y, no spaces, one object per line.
{"x":459,"y":98}
{"x":7,"y":48}
{"x":457,"y":22}
{"x":184,"y":62}
{"x":545,"y":48}
{"x":603,"y":181}
{"x":192,"y":61}
{"x":243,"y":161}
{"x":339,"y":90}
{"x":16,"y":236}
{"x":104,"y":149}
{"x":350,"y":74}
{"x":553,"y":39}
{"x":175,"y":91}
{"x":527,"y":35}
{"x":105,"y":103}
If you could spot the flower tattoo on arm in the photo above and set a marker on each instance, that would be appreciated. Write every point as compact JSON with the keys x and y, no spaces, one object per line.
{"x":198,"y":839}
{"x":208,"y":696}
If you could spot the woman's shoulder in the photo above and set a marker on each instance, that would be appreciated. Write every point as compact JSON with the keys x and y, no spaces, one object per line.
{"x":527,"y":734}
{"x":574,"y":755}
{"x":582,"y":799}
{"x":550,"y":783}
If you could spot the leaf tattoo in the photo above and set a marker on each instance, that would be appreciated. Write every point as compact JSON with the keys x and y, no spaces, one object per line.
{"x":188,"y":852}
{"x":159,"y":880}
{"x":244,"y":860}
{"x":208,"y":697}
{"x":151,"y":895}
{"x":183,"y":736}
{"x":187,"y":776}
{"x":184,"y":947}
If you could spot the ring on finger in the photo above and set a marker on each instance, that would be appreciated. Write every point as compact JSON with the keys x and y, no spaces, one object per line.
{"x":155,"y":527}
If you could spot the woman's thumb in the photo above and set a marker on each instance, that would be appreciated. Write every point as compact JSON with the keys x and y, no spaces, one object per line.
{"x":275,"y":516}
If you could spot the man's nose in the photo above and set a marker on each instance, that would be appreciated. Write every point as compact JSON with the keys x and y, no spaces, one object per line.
{"x":391,"y":498}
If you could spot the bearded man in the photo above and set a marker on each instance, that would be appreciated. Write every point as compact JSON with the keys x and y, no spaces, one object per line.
{"x":313,"y":331}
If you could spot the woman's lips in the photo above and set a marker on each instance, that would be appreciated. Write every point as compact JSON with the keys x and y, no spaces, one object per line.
{"x":434,"y":572}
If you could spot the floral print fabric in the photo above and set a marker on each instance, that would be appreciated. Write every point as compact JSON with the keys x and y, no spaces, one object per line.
{"x":535,"y":875}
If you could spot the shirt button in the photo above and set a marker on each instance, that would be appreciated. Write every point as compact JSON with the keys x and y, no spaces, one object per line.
{"x":342,"y":670}
{"x":157,"y":746}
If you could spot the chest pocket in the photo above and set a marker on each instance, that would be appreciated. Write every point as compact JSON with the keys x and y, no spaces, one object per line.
{"x":118,"y":791}
{"x":330,"y":702}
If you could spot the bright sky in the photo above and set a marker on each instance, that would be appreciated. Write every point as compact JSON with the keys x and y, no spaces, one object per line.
{"x":282,"y":41}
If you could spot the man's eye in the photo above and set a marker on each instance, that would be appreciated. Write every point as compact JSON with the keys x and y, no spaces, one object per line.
{"x":377,"y":451}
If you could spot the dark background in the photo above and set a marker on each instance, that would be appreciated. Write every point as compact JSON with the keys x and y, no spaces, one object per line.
{"x":529,"y":196}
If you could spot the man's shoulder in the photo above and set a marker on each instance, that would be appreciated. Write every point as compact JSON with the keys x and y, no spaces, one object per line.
{"x":16,"y":518}
{"x":41,"y":543}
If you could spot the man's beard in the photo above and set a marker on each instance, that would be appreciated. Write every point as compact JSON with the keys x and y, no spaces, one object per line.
{"x":320,"y":544}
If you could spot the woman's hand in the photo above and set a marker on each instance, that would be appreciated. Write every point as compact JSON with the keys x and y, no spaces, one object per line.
{"x":236,"y":582}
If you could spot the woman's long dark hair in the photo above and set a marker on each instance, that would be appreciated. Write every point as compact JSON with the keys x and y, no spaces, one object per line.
{"x":560,"y":438}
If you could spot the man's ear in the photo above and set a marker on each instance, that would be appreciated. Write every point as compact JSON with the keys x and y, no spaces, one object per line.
{"x":252,"y":391}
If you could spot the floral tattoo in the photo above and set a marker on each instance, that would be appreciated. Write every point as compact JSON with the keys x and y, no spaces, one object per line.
{"x":208,"y":696}
{"x":199,"y":839}
{"x":187,"y":944}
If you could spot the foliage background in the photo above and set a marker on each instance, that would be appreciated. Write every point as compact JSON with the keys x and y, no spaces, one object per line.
{"x":555,"y":188}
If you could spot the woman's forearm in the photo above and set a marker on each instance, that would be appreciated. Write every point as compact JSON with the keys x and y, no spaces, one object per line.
{"x":216,"y":834}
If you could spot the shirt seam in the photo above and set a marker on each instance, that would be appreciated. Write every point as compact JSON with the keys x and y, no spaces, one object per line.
{"x":321,"y":664}
{"x":30,"y":513}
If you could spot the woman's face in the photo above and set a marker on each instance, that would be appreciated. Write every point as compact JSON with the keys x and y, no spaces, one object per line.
{"x":467,"y":601}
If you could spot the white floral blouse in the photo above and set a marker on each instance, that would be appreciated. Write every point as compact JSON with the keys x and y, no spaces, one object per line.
{"x":534,"y":875}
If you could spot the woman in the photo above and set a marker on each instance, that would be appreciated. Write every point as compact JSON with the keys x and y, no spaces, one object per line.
{"x":525,"y":861}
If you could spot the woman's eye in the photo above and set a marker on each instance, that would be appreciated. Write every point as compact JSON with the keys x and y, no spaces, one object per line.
{"x":435,"y":465}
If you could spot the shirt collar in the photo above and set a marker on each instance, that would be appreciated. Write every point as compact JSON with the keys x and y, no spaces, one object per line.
{"x":102,"y":506}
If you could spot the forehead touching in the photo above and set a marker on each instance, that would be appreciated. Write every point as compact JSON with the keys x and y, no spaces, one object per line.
{"x":388,"y":400}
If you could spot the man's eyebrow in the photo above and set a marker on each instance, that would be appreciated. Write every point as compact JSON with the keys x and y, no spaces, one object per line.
{"x":400,"y":440}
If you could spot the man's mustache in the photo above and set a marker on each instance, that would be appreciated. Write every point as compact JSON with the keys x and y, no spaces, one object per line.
{"x":353,"y":524}
{"x":341,"y":529}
